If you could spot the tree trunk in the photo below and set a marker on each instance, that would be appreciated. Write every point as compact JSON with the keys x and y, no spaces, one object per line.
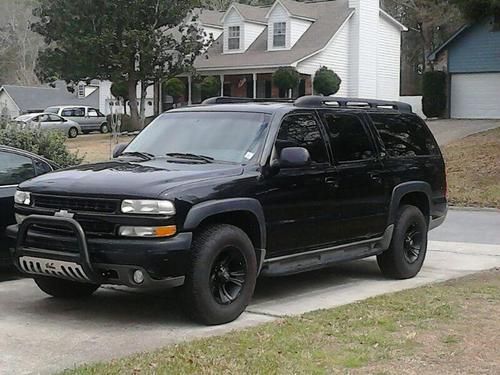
{"x":132,"y":103}
{"x":142,"y":114}
{"x":426,"y":34}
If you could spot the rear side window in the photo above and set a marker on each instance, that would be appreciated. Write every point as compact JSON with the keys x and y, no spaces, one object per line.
{"x":15,"y":168}
{"x":404,"y":135}
{"x":302,"y":131}
{"x":73,"y":112}
{"x":348,"y":137}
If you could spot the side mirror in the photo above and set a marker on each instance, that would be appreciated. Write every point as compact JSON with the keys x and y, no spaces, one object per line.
{"x":294,"y":157}
{"x":117,"y":151}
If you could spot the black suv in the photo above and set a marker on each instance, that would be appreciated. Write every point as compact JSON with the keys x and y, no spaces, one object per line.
{"x":207,"y":198}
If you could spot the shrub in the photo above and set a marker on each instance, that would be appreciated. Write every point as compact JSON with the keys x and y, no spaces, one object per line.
{"x":326,"y":81}
{"x":175,"y":88}
{"x":286,"y":78}
{"x":434,"y":94}
{"x":49,"y":144}
{"x":210,"y":86}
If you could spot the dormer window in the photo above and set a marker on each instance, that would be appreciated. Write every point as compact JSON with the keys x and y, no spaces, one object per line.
{"x":279,"y":34}
{"x":233,"y":38}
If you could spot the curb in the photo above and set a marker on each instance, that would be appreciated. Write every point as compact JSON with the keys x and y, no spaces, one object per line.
{"x":478,"y":209}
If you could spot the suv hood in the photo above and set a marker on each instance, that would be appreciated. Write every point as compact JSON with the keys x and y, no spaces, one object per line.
{"x":125,"y":178}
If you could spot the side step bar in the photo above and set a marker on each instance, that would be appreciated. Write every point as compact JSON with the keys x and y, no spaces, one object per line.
{"x":315,"y":259}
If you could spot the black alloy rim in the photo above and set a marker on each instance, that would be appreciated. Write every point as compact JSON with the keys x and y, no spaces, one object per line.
{"x":413,"y":243}
{"x":228,"y":276}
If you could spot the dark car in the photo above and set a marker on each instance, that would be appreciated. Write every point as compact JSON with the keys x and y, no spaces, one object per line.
{"x":16,"y":166}
{"x":210,"y":197}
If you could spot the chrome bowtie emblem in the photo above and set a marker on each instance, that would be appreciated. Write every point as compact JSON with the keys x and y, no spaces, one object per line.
{"x":64,"y":213}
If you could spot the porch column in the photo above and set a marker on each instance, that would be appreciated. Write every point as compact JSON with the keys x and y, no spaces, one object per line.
{"x":312,"y":84}
{"x":189,"y":90}
{"x":254,"y":78}
{"x":222,"y":85}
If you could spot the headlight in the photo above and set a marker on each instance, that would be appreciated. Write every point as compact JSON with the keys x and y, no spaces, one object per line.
{"x":166,"y":231}
{"x":22,"y":197}
{"x":146,"y":206}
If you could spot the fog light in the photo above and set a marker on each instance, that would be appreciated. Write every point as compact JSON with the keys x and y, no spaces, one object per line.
{"x":138,"y":277}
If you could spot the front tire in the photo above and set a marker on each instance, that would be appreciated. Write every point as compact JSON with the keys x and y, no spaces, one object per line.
{"x":73,"y":132}
{"x":104,"y":128}
{"x":222,"y":275}
{"x":406,"y":254}
{"x":65,"y":289}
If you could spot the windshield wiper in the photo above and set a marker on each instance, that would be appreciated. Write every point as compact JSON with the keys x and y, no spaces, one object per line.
{"x":187,"y":155}
{"x":144,"y":155}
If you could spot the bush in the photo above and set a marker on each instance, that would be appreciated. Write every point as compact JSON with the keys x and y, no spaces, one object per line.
{"x":326,"y":81}
{"x":126,"y":125}
{"x":175,"y":88}
{"x":49,"y":144}
{"x":286,"y":78}
{"x":434,"y":94}
{"x":210,"y":87}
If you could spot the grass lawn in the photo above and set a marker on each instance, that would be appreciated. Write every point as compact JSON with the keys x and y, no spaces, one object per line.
{"x":473,"y":170}
{"x":447,"y":328}
{"x":94,"y":147}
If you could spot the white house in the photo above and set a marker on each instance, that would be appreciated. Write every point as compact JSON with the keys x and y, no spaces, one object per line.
{"x":17,"y":100}
{"x":355,"y":38}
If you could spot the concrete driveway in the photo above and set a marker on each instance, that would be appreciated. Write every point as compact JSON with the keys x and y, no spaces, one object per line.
{"x":447,"y":131}
{"x":42,"y":335}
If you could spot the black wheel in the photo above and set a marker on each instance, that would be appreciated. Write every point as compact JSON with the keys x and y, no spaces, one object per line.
{"x":406,"y":254}
{"x":66,"y":289}
{"x":73,"y":132}
{"x":222,"y":275}
{"x":104,"y":128}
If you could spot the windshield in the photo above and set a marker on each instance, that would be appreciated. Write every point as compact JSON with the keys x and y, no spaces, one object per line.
{"x":52,"y":110}
{"x":224,"y":136}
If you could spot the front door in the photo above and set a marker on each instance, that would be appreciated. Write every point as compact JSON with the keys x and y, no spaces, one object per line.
{"x":359,"y":179}
{"x":296,"y":200}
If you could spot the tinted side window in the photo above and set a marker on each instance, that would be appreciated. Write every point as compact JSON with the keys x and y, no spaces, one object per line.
{"x":348,"y":137}
{"x":15,"y":169}
{"x":404,"y":135}
{"x":41,"y":167}
{"x":302,"y":131}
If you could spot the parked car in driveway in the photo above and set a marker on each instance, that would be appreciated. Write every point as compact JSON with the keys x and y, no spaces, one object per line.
{"x":208,"y":198}
{"x":16,"y":166}
{"x":90,"y":119}
{"x":50,"y":121}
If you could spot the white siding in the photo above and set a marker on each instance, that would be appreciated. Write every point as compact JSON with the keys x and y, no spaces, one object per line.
{"x":279,"y":14}
{"x":8,"y":108}
{"x":297,"y":29}
{"x":388,"y":60}
{"x":336,"y":57}
{"x":475,"y":95}
{"x":364,"y":36}
{"x":233,"y":19}
{"x":252,"y":31}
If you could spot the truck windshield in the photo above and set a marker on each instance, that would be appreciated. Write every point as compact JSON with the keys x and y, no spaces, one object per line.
{"x":234,"y":137}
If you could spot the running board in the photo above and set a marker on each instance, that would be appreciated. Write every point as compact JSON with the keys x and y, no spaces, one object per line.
{"x":314,"y":259}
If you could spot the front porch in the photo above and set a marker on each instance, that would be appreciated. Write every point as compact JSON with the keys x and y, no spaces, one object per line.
{"x":251,"y":85}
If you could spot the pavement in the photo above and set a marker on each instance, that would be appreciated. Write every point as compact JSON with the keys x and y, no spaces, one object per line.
{"x":41,"y":335}
{"x":447,"y":131}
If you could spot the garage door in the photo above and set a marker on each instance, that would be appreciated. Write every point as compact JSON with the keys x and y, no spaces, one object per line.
{"x":475,"y":95}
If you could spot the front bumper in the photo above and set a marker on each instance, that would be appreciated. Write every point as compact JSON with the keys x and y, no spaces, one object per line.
{"x":102,"y":260}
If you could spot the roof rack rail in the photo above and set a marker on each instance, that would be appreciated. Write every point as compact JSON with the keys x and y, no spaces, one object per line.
{"x":317,"y":101}
{"x":232,"y":99}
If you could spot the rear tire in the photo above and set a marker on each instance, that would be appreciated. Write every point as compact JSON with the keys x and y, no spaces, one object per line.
{"x":73,"y":132}
{"x":222,"y":275}
{"x":104,"y":128}
{"x":65,"y":289}
{"x":406,"y":254}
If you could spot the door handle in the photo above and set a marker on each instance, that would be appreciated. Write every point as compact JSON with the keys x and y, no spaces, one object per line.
{"x":375,"y":177}
{"x":332,"y":181}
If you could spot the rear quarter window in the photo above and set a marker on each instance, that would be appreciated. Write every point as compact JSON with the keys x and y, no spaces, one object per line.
{"x":404,"y":135}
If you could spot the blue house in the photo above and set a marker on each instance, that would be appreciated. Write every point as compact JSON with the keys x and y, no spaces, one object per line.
{"x":472,"y":59}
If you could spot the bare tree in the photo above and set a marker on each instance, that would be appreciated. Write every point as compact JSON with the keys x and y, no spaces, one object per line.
{"x":19,"y":46}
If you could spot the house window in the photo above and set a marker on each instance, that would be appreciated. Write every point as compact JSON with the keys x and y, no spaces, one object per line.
{"x":233,"y":40}
{"x":279,"y":34}
{"x":81,"y":91}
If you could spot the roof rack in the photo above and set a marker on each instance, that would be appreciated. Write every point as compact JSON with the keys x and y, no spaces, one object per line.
{"x":232,"y":100}
{"x":317,"y":101}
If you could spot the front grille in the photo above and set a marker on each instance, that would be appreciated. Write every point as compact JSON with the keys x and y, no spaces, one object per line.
{"x":75,"y":203}
{"x":91,"y":228}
